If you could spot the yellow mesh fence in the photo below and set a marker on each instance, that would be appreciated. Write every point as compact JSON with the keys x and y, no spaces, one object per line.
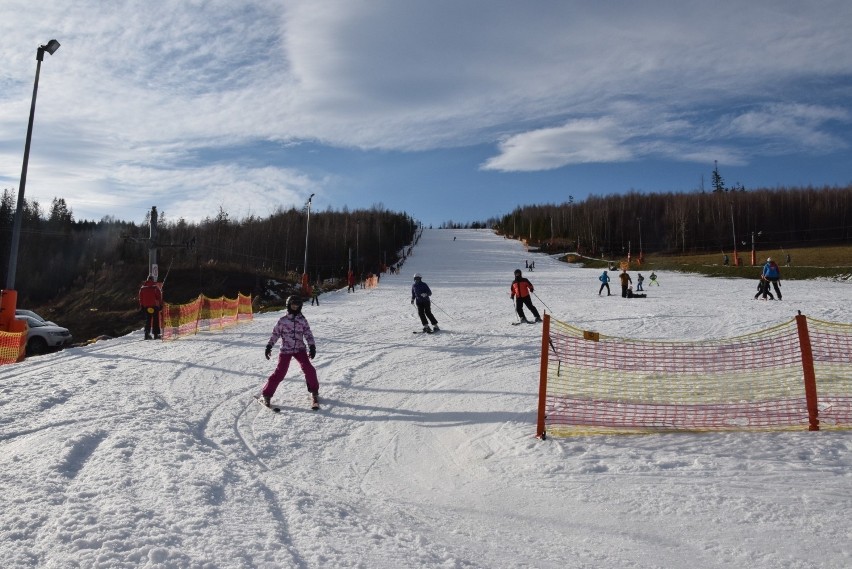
{"x":204,"y":314}
{"x":12,"y":346}
{"x":593,"y":384}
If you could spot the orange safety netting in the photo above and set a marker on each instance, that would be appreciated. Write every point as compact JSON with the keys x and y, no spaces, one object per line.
{"x":797,"y":375}
{"x":12,"y":346}
{"x":204,"y":314}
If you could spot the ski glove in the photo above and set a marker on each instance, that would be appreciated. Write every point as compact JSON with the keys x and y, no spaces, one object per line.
{"x":312,"y":351}
{"x":268,"y":351}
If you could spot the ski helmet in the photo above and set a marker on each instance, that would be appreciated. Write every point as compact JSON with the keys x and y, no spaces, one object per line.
{"x":294,"y":299}
{"x":417,"y":276}
{"x":517,"y":272}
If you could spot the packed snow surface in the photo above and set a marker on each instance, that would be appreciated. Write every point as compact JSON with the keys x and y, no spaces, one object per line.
{"x":133,"y":453}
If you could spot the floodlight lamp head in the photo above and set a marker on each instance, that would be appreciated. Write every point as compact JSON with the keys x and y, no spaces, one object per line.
{"x":51,"y":47}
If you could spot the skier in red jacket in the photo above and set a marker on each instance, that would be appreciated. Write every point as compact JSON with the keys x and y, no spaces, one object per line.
{"x":520,"y":293}
{"x":150,"y":303}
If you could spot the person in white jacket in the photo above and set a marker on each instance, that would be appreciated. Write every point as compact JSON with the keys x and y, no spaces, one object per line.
{"x":294,"y":332}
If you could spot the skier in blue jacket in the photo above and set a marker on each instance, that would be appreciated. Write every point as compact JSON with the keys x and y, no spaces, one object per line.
{"x":772,"y":273}
{"x":604,"y":278}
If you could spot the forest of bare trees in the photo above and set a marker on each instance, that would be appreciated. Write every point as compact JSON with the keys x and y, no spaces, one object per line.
{"x":681,"y":223}
{"x":56,"y":250}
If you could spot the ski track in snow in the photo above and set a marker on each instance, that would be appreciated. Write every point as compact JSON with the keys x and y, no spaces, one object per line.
{"x":129,"y":453}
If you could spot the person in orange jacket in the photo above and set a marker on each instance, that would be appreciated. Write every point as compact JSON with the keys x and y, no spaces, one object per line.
{"x":625,"y":281}
{"x":520,"y":293}
{"x":150,"y":303}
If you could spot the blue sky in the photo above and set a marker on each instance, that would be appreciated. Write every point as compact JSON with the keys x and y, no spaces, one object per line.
{"x":447,"y":109}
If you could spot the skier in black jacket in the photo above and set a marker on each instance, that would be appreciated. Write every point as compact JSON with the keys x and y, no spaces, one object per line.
{"x":420,"y":293}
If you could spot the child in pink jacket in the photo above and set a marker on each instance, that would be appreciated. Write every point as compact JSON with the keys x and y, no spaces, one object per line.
{"x":294,"y":331}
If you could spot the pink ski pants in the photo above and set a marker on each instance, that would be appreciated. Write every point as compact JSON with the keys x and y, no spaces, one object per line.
{"x":281,"y":370}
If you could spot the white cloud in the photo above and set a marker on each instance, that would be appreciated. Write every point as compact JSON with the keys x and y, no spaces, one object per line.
{"x":578,"y":142}
{"x":789,"y":126}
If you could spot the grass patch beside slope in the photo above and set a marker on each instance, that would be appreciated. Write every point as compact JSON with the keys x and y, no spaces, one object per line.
{"x":806,"y":263}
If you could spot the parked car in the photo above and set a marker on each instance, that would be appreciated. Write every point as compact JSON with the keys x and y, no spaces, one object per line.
{"x":43,"y":335}
{"x":30,"y":313}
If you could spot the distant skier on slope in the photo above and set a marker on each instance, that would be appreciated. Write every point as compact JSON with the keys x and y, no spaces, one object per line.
{"x":763,"y":289}
{"x":772,"y":273}
{"x":294,"y":331}
{"x":420,"y":293}
{"x":604,"y":278}
{"x":625,"y":281}
{"x":520,"y":293}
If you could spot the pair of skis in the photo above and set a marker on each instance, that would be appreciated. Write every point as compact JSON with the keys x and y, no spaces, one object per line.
{"x":275,"y":409}
{"x":427,"y":331}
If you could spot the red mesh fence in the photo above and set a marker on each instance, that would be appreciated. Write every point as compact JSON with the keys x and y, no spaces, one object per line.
{"x":592,"y":383}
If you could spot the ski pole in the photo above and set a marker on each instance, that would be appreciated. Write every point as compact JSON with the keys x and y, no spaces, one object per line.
{"x":168,"y":270}
{"x":442,"y":310}
{"x":541,"y":301}
{"x":515,"y":307}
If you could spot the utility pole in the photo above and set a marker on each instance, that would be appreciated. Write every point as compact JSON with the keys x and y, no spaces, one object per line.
{"x":153,"y":269}
{"x":154,"y":245}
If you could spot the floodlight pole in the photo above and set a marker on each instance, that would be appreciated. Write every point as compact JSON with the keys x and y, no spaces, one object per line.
{"x":734,"y":230}
{"x":10,"y":296}
{"x":305,"y":281}
{"x":753,"y":254}
{"x":51,"y":47}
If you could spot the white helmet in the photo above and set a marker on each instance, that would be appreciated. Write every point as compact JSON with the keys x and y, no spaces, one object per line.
{"x":417,"y":276}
